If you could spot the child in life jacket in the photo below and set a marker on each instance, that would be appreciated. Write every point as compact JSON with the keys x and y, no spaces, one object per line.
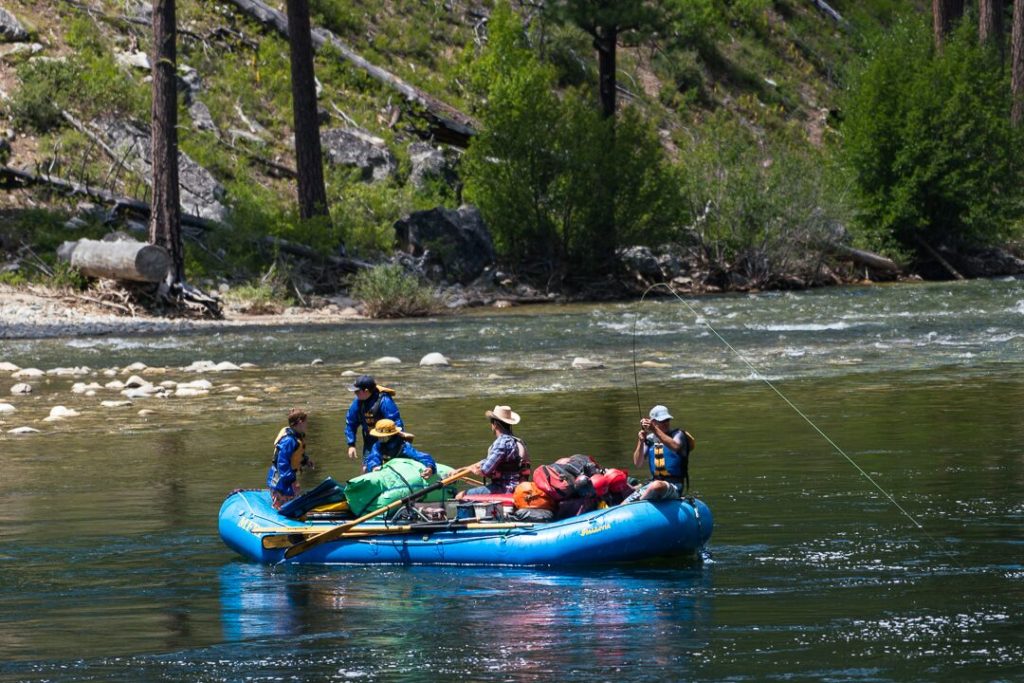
{"x":289,"y":457}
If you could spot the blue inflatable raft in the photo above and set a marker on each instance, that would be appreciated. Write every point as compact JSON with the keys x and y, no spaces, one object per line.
{"x":629,"y":532}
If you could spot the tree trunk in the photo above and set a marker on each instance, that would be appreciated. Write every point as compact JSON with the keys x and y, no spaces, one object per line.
{"x":1017,"y":63}
{"x":165,"y":222}
{"x":308,"y":156}
{"x":125,"y":260}
{"x":945,"y":14}
{"x":605,"y":41}
{"x":990,"y":22}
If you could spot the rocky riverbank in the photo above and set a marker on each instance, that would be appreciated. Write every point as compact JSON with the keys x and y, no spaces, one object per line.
{"x":39,"y":312}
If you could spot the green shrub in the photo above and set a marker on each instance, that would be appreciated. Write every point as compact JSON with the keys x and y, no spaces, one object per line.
{"x":929,"y":145}
{"x":389,"y":292}
{"x":759,"y":207}
{"x":260,"y":297}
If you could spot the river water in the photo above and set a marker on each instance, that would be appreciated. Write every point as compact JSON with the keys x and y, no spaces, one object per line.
{"x":891,"y":550}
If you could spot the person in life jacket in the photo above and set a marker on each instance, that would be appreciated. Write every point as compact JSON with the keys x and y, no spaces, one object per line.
{"x":507,"y":462}
{"x":667,"y":453}
{"x":372,"y":403}
{"x":289,"y":457}
{"x":392,"y":442}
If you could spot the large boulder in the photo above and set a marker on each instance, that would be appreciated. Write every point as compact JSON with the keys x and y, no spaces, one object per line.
{"x":201,"y":194}
{"x":453,"y":244}
{"x":351,"y":147}
{"x":640,"y":262}
{"x":11,"y":30}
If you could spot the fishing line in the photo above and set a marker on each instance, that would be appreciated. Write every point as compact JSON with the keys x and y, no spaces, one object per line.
{"x":701,"y":320}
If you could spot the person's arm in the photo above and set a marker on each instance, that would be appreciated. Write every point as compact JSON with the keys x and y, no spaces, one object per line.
{"x":424,"y":459}
{"x":373,"y":460}
{"x":389,"y":411}
{"x":351,"y":422}
{"x":640,"y":452}
{"x":672,"y":442}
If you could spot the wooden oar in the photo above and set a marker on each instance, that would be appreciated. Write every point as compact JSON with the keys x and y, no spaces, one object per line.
{"x":285,"y":538}
{"x":340,"y":530}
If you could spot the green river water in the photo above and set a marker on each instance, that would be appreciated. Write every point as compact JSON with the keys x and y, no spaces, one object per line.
{"x":111,"y":568}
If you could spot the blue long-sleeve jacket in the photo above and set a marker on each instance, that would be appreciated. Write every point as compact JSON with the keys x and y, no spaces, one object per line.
{"x":362,"y":413}
{"x":281,"y":475}
{"x":383,"y":451}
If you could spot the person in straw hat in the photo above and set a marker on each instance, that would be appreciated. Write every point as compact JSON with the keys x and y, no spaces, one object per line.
{"x":391,"y":443}
{"x":507,"y":462}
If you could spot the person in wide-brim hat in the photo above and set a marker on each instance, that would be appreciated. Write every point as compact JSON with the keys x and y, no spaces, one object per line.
{"x":387,"y":447}
{"x":507,"y":462}
{"x":503,"y":414}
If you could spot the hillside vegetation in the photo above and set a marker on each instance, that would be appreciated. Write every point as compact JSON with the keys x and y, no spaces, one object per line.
{"x":727,"y":148}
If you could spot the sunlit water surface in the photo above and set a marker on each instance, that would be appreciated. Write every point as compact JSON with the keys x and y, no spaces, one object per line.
{"x":111,"y":567}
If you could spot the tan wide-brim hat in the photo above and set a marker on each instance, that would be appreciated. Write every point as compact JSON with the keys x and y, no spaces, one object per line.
{"x":388,"y":428}
{"x":504,"y":414}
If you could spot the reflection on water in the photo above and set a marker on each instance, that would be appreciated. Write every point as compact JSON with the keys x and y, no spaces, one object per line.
{"x":111,"y":568}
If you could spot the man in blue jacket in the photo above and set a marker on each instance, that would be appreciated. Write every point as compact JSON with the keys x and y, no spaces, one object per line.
{"x":372,"y":403}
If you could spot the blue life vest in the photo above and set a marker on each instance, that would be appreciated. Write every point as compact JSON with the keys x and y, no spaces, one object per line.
{"x":667,"y":464}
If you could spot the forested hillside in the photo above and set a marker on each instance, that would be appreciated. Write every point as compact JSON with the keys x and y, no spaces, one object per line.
{"x":718,"y":144}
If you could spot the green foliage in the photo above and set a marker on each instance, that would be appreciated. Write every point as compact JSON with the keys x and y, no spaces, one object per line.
{"x":265,"y":296}
{"x":389,"y":292}
{"x":89,"y":83}
{"x":557,"y":184}
{"x":66,"y":277}
{"x":758,"y":207}
{"x":929,"y":144}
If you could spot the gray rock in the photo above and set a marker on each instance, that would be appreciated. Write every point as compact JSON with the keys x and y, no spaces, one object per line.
{"x":639,"y":261}
{"x":23,"y":430}
{"x":134,"y":60}
{"x":201,"y":194}
{"x":11,"y":30}
{"x":21,"y":388}
{"x":351,"y":147}
{"x":20,"y":52}
{"x":580,"y":363}
{"x":201,"y":117}
{"x":452,"y":244}
{"x":428,"y":163}
{"x":434,"y":360}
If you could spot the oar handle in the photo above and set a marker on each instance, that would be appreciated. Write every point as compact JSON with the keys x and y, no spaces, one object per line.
{"x":339,"y":530}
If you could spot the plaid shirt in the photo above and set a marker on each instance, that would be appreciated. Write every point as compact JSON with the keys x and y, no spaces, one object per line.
{"x":502,"y":464}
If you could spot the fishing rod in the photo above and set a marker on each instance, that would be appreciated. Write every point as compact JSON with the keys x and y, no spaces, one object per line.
{"x":702,"y":320}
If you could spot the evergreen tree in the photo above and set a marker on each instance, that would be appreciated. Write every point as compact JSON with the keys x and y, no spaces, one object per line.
{"x":165,"y":220}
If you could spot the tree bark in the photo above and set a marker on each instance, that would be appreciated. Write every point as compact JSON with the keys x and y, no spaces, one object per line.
{"x":605,"y":40}
{"x":945,"y":14}
{"x":990,"y":22}
{"x":125,"y":260}
{"x":1017,"y":63}
{"x":165,"y":221}
{"x":308,"y":155}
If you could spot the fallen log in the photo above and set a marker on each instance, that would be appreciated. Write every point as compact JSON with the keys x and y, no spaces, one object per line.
{"x":448,"y":124}
{"x":348,"y":265}
{"x":12,"y":178}
{"x":121,"y":260}
{"x":866,"y":258}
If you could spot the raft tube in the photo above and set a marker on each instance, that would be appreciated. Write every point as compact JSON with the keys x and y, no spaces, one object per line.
{"x":623,"y":533}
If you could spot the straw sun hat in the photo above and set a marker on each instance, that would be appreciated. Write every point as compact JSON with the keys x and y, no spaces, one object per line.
{"x":503,"y":414}
{"x":387,"y":428}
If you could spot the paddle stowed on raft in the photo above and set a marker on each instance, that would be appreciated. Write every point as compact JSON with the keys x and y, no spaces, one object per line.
{"x":340,"y":530}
